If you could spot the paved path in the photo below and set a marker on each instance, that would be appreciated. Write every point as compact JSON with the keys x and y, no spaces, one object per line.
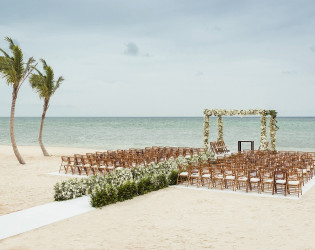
{"x":35,"y":217}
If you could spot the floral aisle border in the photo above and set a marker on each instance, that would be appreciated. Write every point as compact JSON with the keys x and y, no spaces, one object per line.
{"x":125,"y":183}
{"x":263,"y":124}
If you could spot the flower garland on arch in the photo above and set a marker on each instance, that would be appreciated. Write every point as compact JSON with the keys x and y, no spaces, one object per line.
{"x":263,"y":124}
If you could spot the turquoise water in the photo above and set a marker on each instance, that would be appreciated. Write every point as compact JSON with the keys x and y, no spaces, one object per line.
{"x":295,"y":133}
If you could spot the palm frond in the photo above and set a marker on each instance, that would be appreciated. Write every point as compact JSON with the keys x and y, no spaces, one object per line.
{"x":39,"y":73}
{"x":38,"y":84}
{"x":18,"y":64}
{"x":11,"y":43}
{"x":58,"y":83}
{"x":44,"y":63}
{"x":5,"y":53}
{"x":29,"y":66}
{"x":5,"y":63}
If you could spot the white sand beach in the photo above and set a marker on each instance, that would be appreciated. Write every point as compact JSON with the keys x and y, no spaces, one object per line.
{"x":25,"y":186}
{"x":167,"y":219}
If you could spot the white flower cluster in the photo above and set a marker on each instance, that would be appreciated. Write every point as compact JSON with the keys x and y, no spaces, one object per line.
{"x":231,"y":112}
{"x":164,"y":167}
{"x":272,"y":132}
{"x":70,"y":189}
{"x":263,"y":132}
{"x":75,"y":187}
{"x":206,"y":131}
{"x":220,"y":128}
{"x":118,"y":177}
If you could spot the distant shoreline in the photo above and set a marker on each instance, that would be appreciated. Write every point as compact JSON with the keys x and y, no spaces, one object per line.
{"x":91,"y":149}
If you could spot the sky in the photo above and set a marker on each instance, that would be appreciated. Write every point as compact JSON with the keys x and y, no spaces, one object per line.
{"x":165,"y":58}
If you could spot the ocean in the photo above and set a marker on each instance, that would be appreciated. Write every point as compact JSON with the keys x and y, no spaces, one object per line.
{"x":103,"y":133}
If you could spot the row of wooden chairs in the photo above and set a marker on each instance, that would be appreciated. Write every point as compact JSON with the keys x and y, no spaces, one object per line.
{"x":107,"y":161}
{"x":248,"y":170}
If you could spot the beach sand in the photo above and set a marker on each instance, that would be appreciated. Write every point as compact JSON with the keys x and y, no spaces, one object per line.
{"x":171,"y":218}
{"x":25,"y":186}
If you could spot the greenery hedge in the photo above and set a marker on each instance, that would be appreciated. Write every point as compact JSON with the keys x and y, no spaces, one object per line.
{"x":108,"y":194}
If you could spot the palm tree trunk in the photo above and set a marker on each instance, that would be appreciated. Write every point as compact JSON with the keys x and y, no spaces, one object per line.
{"x":41,"y":128}
{"x":15,"y":148}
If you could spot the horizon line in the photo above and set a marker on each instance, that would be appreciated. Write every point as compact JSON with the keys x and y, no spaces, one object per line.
{"x":236,"y":116}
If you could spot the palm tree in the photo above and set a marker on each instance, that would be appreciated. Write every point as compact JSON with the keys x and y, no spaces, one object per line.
{"x":45,"y":86}
{"x":15,"y":71}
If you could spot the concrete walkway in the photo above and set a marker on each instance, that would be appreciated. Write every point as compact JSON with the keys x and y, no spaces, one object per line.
{"x":35,"y":217}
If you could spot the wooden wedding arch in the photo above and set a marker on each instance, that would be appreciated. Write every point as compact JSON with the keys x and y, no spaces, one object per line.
{"x":263,"y":124}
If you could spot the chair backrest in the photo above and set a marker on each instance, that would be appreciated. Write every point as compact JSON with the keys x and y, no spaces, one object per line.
{"x":280,"y":175}
{"x":64,"y":159}
{"x":71,"y":159}
{"x":86,"y":161}
{"x":253,"y":173}
{"x":241,"y":173}
{"x":78,"y":159}
{"x":229,"y":171}
{"x":182,"y":168}
{"x":267,"y":173}
{"x":293,"y":176}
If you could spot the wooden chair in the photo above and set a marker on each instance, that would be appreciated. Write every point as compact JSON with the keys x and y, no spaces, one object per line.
{"x":267,"y":180}
{"x":194,"y":172}
{"x":91,"y":156}
{"x":302,"y":169}
{"x":206,"y":175}
{"x":64,"y":163}
{"x":294,"y":182}
{"x":71,"y":160}
{"x":280,"y":181}
{"x":183,"y":175}
{"x":229,"y":178}
{"x":109,"y":166}
{"x":94,"y":166}
{"x":101,"y":166}
{"x":78,"y":163}
{"x":217,"y":177}
{"x":86,"y":165}
{"x":214,"y":148}
{"x":222,"y":147}
{"x":242,"y":179}
{"x":254,"y":179}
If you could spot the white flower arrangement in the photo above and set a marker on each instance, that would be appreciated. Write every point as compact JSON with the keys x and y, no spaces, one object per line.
{"x":263,"y":127}
{"x":75,"y":187}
